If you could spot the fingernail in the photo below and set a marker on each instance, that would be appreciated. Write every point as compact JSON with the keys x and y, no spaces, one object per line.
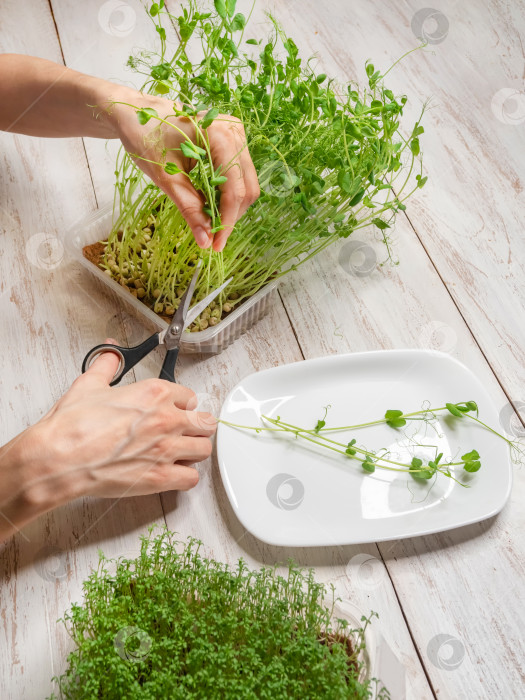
{"x":200,"y":236}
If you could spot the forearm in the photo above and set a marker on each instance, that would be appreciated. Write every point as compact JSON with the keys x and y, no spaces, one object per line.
{"x":41,"y":98}
{"x":28,"y":489}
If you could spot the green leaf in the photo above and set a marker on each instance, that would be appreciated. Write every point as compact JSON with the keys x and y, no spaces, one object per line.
{"x":254,"y":42}
{"x":356,"y":198}
{"x":162,"y":71}
{"x":472,"y":466}
{"x":454,"y":410}
{"x":190,"y":150}
{"x":161,"y":32}
{"x":238,"y":22}
{"x":394,"y":418}
{"x":208,"y":118}
{"x":321,"y":78}
{"x":416,"y":463}
{"x":414,"y":146}
{"x":345,"y":181}
{"x":472,"y":406}
{"x":368,"y":466}
{"x":172,"y":168}
{"x":380,"y":224}
{"x":350,"y":450}
{"x":230,"y":7}
{"x":320,"y":424}
{"x":154,"y":9}
{"x":471,"y":456}
{"x":220,"y":8}
{"x":145,"y":114}
{"x":162,"y":87}
{"x":219,"y":180}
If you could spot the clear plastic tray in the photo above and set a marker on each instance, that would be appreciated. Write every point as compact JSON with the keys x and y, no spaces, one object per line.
{"x":97,"y":226}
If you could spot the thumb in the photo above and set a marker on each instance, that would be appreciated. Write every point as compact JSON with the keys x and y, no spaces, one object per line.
{"x":105,"y":365}
{"x":190,"y":205}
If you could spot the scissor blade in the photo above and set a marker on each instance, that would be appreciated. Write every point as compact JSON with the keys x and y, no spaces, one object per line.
{"x":201,"y":305}
{"x":171,"y":336}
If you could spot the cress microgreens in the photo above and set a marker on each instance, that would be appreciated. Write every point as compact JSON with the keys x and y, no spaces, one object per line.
{"x":469,"y":462}
{"x":209,"y":631}
{"x":330,"y":159}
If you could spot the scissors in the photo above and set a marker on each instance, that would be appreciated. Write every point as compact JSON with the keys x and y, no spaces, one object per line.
{"x":170,"y":337}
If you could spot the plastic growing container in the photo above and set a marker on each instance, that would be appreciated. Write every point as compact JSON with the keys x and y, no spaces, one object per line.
{"x":97,"y":226}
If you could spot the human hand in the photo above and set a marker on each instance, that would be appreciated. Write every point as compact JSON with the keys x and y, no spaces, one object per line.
{"x":107,"y":441}
{"x":159,"y":142}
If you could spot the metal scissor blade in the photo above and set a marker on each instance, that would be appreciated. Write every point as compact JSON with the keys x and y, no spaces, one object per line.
{"x":171,"y":336}
{"x":201,"y":305}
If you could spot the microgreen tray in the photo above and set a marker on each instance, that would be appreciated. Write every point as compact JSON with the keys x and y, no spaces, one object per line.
{"x":96,"y":227}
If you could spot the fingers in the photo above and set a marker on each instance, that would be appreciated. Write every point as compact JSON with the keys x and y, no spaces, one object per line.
{"x":152,"y":392}
{"x":190,"y":205}
{"x":241,"y":188}
{"x":105,"y":365}
{"x":195,"y":449}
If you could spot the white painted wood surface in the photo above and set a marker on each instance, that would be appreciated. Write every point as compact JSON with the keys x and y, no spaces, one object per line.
{"x":459,"y":288}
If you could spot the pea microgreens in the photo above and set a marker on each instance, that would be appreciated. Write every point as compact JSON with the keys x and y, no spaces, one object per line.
{"x":417,"y":468}
{"x":331,"y":159}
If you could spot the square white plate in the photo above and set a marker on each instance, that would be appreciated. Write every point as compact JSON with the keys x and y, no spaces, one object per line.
{"x":288,"y":492}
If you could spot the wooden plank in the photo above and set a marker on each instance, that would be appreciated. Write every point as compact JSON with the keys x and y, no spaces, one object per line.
{"x":49,"y":317}
{"x":448,"y":584}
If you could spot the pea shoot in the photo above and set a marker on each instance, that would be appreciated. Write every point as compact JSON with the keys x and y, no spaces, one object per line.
{"x":331,"y":160}
{"x":369,"y":459}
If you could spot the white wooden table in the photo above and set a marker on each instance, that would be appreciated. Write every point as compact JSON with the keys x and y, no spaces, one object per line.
{"x":459,"y":288}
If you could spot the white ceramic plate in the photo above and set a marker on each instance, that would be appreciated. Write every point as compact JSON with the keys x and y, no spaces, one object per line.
{"x":290,"y":493}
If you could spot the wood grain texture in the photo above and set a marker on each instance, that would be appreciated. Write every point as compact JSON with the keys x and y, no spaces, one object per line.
{"x":49,"y":318}
{"x":461,"y":255}
{"x":449,"y":584}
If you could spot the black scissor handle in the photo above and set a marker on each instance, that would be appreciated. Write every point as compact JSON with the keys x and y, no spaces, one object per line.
{"x":168,"y":368}
{"x":129,"y":357}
